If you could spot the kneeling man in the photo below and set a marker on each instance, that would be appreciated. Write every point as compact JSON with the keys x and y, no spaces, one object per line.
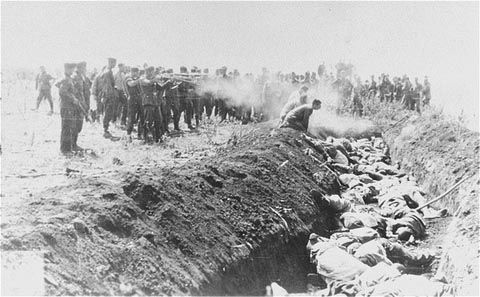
{"x":298,"y":118}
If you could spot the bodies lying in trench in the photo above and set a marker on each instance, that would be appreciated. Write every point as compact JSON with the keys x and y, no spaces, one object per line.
{"x":374,"y":225}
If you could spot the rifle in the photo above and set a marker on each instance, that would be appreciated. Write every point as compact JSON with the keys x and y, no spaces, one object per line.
{"x":444,"y":194}
{"x":184,"y":77}
{"x":83,"y":109}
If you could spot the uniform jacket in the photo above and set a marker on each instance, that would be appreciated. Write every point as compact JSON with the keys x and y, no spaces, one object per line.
{"x":183,"y":90}
{"x":170,"y":91}
{"x":119,"y":81}
{"x":67,"y":93}
{"x":104,"y":85}
{"x":149,"y":92}
{"x":132,"y":92}
{"x":79,"y":86}
{"x":42,"y":81}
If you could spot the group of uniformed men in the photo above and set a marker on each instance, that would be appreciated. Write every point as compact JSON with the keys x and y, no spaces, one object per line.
{"x":150,"y":98}
{"x":399,"y":89}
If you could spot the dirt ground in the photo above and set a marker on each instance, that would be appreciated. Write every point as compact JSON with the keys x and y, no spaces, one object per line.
{"x":222,"y":210}
{"x":440,"y":152}
{"x":210,"y":211}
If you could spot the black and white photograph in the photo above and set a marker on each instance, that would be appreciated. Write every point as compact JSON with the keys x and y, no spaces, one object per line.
{"x":239,"y":148}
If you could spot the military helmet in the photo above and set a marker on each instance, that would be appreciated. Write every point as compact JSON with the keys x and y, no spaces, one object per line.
{"x":82,"y":65}
{"x":69,"y":66}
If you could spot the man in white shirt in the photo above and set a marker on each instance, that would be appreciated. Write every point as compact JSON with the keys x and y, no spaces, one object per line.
{"x":296,"y":99}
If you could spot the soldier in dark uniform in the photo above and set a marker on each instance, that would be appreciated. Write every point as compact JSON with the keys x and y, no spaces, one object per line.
{"x":87,"y":84}
{"x":151,"y":106}
{"x":81,"y":92}
{"x":173,"y":109}
{"x":185,"y":95}
{"x":196,"y":98}
{"x":69,"y":111}
{"x":192,"y":103}
{"x":103,"y":90}
{"x":161,"y":87}
{"x":43,"y":83}
{"x":98,"y":110}
{"x":135,"y":107}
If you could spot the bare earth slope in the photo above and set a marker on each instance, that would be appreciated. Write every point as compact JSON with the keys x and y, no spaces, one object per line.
{"x":213,"y":212}
{"x":439,"y":152}
{"x":226,"y":224}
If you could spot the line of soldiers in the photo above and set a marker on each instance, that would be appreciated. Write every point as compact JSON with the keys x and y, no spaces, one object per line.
{"x":149,"y":99}
{"x":152,"y":97}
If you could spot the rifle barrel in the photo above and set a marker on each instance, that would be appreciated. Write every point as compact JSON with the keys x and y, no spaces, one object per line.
{"x":444,"y":194}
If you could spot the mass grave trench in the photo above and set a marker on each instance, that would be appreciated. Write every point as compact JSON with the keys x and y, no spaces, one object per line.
{"x":224,"y":225}
{"x":259,"y":188}
{"x":267,"y":263}
{"x":242,"y":218}
{"x":440,"y":152}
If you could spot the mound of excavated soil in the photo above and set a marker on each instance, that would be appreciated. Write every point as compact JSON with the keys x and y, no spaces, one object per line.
{"x":440,"y":153}
{"x":227,"y":224}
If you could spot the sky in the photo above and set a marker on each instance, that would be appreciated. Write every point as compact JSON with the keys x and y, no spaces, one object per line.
{"x":438,"y":39}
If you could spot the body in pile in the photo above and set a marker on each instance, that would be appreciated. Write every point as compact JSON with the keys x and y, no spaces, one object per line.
{"x":374,"y":218}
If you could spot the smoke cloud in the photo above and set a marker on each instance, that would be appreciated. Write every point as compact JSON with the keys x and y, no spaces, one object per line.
{"x":269,"y":99}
